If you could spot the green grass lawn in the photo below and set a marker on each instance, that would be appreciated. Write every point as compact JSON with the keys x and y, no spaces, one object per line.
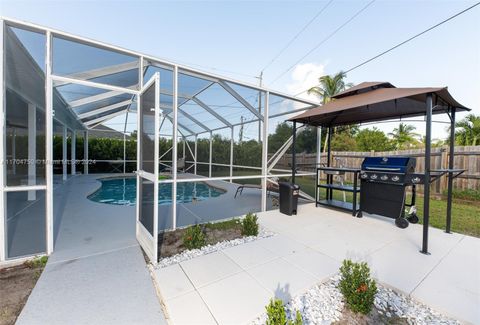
{"x":465,"y":215}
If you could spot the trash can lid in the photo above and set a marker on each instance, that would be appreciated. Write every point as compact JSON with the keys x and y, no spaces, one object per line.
{"x":286,"y":184}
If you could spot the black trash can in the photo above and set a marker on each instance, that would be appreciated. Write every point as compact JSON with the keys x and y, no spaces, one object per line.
{"x":288,"y":198}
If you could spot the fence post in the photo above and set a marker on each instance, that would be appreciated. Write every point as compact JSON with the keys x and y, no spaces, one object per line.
{"x":444,"y":165}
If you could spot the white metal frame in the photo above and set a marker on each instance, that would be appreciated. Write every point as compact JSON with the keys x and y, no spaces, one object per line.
{"x":3,"y":211}
{"x":149,"y":242}
{"x":52,"y":80}
{"x":49,"y":142}
{"x":265,"y":154}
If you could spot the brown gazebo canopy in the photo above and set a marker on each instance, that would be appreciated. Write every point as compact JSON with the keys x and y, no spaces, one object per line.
{"x":380,"y":101}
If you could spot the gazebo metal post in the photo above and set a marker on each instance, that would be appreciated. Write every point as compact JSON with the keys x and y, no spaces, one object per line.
{"x":294,"y":158}
{"x":450,"y":167}
{"x":329,"y":158}
{"x":426,"y":204}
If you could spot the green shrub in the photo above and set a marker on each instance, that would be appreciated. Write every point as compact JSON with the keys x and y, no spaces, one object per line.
{"x":194,"y":237}
{"x":37,"y":262}
{"x":298,"y":319}
{"x":467,"y":194}
{"x":250,"y":225}
{"x":357,"y":287}
{"x":276,"y":314}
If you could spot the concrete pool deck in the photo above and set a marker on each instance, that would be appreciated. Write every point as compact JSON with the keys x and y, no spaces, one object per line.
{"x":234,"y":285}
{"x":97,"y":273}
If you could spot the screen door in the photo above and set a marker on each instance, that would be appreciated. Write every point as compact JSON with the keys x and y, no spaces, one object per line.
{"x":147,"y":167}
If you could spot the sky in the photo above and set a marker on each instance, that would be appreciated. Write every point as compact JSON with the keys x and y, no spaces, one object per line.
{"x":239,"y":39}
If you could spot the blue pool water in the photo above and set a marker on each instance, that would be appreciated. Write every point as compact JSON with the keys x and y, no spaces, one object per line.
{"x":123,"y":191}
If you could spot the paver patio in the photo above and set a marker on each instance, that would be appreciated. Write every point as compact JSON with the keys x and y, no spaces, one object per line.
{"x":233,"y":286}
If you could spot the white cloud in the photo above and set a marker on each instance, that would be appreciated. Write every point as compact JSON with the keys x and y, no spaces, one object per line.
{"x":305,"y":76}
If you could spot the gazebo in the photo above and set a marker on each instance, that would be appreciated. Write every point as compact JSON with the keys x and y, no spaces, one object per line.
{"x":381,"y":101}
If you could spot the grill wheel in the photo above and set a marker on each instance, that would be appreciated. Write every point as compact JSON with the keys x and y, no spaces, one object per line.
{"x":401,"y":223}
{"x":413,"y":218}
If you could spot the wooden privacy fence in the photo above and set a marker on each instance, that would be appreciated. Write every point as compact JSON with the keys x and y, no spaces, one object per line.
{"x":467,"y":157}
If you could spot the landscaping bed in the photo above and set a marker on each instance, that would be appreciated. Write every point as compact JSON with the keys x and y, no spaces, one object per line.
{"x":186,"y":243}
{"x":171,"y":243}
{"x":324,"y":304}
{"x":349,"y":298}
{"x":16,"y":284}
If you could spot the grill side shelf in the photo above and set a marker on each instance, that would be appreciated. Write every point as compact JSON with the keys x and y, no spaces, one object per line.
{"x":346,"y":188}
{"x":330,"y":187}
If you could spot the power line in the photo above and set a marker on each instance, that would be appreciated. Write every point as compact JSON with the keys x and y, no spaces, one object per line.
{"x":216,"y":69}
{"x":324,"y":40}
{"x":406,"y":41}
{"x":297,"y":35}
{"x":413,"y":37}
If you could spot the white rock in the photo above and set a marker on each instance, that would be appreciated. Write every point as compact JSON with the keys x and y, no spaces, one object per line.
{"x":189,"y":254}
{"x":322,"y":304}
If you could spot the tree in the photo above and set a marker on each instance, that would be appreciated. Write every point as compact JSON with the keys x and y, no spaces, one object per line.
{"x":329,"y":86}
{"x":467,"y":131}
{"x":373,"y":139}
{"x":403,"y":137}
{"x":343,"y":142}
{"x":306,"y":140}
{"x":283,"y":131}
{"x":434,"y":143}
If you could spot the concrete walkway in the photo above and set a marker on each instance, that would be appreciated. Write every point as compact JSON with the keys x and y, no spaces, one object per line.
{"x":97,"y":274}
{"x":234,"y":285}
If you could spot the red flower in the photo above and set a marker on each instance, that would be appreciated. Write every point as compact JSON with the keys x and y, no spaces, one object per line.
{"x":362,"y":288}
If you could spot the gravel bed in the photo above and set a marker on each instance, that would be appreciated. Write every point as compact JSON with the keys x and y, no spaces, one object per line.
{"x":391,"y":303}
{"x":323,"y":304}
{"x":189,"y":254}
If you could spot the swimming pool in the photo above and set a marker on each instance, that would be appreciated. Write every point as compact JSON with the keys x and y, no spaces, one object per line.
{"x":123,"y":191}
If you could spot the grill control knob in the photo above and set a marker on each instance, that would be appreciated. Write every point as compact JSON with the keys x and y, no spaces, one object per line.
{"x":374,"y":176}
{"x":395,"y":178}
{"x":384,"y":177}
{"x":364,"y":175}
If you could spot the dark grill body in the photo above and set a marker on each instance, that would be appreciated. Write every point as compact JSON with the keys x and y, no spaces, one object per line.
{"x":383,"y":187}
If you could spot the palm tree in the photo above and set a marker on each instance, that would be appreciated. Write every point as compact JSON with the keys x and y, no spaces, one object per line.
{"x":328,"y":87}
{"x":467,"y":131}
{"x":403,"y":136}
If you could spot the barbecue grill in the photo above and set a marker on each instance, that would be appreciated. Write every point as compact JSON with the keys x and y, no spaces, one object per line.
{"x":383,"y":188}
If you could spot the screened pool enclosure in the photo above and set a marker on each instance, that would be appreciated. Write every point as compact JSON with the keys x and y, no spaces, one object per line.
{"x":191,"y":127}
